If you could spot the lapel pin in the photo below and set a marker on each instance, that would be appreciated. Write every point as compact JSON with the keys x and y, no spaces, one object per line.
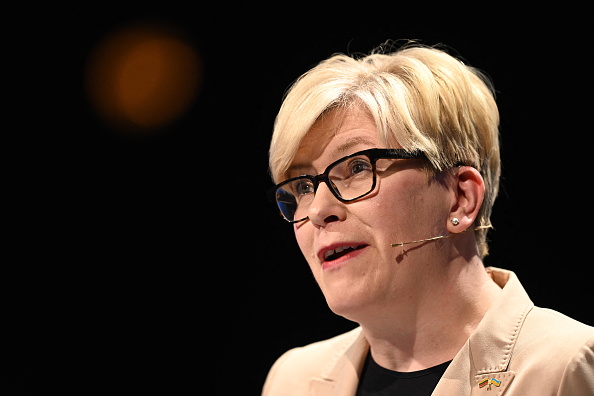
{"x":488,"y":382}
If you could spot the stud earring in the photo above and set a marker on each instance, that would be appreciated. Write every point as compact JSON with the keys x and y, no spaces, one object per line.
{"x":455,"y":221}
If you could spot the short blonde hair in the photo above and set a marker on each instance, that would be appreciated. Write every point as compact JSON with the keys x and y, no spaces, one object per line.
{"x":420,"y":97}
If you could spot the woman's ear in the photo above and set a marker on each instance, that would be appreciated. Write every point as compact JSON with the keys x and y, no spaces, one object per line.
{"x":470,"y":192}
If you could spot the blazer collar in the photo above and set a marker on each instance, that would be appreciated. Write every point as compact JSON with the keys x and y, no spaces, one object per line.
{"x":492,"y":343}
{"x":483,"y":361}
{"x":341,"y":375}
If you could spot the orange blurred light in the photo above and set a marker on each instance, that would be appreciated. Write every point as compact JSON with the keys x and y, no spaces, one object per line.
{"x":142,"y":78}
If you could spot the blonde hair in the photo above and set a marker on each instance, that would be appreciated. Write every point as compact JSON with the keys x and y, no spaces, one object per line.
{"x":420,"y":97}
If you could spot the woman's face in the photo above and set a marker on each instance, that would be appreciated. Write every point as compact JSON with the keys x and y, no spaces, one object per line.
{"x":405,"y":206}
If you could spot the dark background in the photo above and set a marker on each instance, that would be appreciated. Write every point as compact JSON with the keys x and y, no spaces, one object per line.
{"x":158,"y":265}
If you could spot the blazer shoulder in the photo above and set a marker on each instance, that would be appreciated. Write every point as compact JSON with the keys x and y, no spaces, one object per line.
{"x":551,"y":338}
{"x":554,"y":354}
{"x":551,"y":322}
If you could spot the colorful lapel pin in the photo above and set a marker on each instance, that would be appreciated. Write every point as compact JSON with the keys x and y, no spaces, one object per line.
{"x":488,"y":382}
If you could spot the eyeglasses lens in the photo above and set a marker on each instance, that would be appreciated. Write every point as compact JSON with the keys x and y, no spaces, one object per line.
{"x":348,"y":179}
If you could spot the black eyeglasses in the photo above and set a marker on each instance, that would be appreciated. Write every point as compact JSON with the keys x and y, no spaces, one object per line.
{"x":349,"y":178}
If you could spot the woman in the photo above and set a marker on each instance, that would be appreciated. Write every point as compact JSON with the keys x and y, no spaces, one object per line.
{"x":388,"y":167}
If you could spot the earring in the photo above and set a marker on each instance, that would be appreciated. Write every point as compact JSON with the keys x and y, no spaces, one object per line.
{"x":455,"y":221}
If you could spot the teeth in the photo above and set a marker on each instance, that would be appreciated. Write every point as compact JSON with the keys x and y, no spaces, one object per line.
{"x":337,"y":250}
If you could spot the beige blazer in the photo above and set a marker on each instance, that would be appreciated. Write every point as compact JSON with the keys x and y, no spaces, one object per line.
{"x":516,"y":350}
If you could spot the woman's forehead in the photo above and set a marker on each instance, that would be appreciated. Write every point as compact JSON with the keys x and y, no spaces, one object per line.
{"x":338,"y":127}
{"x":336,"y":135}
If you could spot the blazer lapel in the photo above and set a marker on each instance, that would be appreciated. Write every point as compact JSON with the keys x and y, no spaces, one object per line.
{"x":341,"y":374}
{"x":480,"y":368}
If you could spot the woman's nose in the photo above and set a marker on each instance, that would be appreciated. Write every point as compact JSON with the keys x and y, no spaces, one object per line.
{"x":325,"y":207}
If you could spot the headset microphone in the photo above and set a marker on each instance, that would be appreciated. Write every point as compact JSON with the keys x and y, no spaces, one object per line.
{"x":440,"y":237}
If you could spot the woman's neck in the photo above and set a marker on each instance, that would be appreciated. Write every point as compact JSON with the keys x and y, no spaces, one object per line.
{"x":425,"y":332}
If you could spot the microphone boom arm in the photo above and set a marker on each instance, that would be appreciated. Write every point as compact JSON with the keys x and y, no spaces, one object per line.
{"x":440,"y":237}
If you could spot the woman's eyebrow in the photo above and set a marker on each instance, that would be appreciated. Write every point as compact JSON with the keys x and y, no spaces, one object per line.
{"x":295,"y":169}
{"x":341,"y":149}
{"x":338,"y":151}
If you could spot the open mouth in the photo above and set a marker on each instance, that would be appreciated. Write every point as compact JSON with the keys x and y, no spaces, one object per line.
{"x":340,"y":251}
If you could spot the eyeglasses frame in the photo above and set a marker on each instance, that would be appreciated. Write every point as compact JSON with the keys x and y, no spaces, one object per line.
{"x":373,"y":154}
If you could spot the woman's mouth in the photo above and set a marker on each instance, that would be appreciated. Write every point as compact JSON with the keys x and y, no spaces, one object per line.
{"x":334,"y":254}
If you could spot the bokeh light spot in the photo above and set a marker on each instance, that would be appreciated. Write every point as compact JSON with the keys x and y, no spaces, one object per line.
{"x":141,"y":78}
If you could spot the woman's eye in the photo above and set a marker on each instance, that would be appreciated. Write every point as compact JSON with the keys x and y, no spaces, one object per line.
{"x":359,"y":166}
{"x":303,"y":187}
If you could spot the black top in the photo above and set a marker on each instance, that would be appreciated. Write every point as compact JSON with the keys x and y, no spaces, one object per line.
{"x":379,"y":381}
